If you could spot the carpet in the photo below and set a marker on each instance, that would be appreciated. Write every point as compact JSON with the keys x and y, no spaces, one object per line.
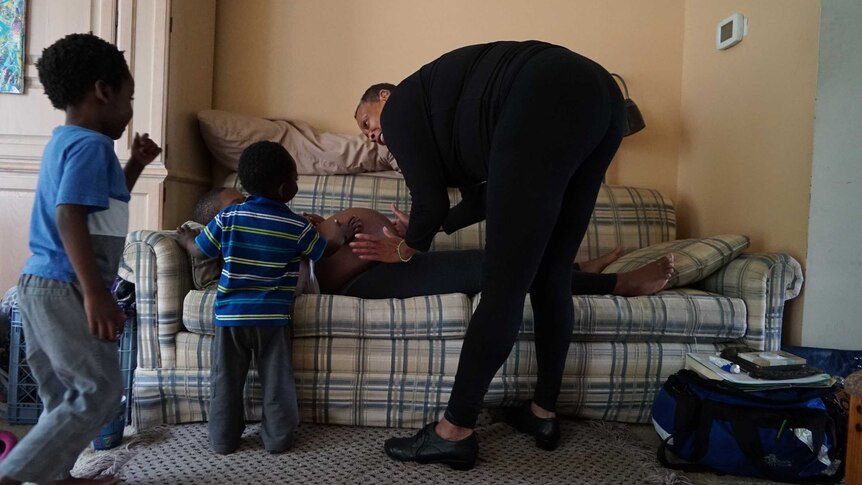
{"x":590,"y":452}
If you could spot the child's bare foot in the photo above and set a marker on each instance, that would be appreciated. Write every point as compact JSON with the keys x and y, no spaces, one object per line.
{"x":598,"y":264}
{"x":647,"y":279}
{"x":90,"y":481}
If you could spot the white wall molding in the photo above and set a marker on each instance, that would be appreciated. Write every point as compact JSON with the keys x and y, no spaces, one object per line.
{"x":140,"y":28}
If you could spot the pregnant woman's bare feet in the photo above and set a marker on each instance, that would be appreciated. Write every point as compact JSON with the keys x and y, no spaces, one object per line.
{"x":647,"y":279}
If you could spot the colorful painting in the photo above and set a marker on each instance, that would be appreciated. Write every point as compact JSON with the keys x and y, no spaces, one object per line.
{"x":12,"y":46}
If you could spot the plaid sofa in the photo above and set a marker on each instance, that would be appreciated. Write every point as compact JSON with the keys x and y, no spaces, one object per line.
{"x":392,"y":362}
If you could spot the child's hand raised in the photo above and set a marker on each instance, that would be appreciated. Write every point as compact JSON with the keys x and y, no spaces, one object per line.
{"x":144,"y":149}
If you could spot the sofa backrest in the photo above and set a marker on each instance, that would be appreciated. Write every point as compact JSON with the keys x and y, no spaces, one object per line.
{"x":624,"y":216}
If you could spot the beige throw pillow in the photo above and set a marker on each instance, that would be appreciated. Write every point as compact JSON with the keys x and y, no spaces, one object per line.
{"x":205,"y":271}
{"x":316,"y":153}
{"x":694,"y":259}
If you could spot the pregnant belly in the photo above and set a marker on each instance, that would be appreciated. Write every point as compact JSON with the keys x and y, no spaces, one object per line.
{"x":337,"y":270}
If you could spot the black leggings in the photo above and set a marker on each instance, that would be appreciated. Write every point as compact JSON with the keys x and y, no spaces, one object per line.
{"x":441,"y":272}
{"x":557,"y":132}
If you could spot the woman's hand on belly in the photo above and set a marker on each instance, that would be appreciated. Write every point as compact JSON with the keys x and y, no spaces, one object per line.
{"x":401,"y":221}
{"x":390,"y":248}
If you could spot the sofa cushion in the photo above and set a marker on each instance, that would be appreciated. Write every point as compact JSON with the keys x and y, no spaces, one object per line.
{"x":194,"y":351}
{"x":353,"y":355}
{"x":694,"y":259}
{"x":680,"y":315}
{"x":198,"y":311}
{"x":432,"y":317}
{"x":315,"y":152}
{"x":427,"y":357}
{"x":603,"y":380}
{"x":670,"y":316}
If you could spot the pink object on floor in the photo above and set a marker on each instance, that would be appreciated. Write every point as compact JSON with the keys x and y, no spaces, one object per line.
{"x":7,"y":442}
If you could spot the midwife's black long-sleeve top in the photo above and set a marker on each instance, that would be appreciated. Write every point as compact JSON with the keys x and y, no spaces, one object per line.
{"x":439,"y":124}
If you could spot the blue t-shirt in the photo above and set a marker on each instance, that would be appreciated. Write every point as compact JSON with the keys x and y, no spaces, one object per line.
{"x":79,"y":167}
{"x":261,"y":242}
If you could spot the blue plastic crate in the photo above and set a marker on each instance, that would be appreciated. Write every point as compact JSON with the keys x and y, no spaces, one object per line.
{"x":23,"y":403}
{"x":129,"y":361}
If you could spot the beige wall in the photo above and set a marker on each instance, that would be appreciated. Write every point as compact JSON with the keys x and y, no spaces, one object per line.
{"x":311,"y":60}
{"x":729,"y":133}
{"x":747,"y":127}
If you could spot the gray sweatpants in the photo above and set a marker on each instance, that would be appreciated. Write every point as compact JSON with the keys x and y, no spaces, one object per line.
{"x":78,"y":376}
{"x":231,"y":356}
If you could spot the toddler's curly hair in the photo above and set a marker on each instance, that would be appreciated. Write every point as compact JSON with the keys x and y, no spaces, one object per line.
{"x":71,"y":66}
{"x":263,"y":166}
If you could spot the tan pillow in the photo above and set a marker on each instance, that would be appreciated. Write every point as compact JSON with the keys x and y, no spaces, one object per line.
{"x":205,"y":271}
{"x":694,"y":259}
{"x":228,"y":134}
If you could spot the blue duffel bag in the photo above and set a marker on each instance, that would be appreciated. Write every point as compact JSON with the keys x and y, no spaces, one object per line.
{"x":792,"y":434}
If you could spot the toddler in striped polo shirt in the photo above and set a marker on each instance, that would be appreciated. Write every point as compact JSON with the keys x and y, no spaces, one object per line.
{"x":261,"y":242}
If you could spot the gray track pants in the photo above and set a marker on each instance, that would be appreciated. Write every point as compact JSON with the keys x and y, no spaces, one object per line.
{"x":232,"y":351}
{"x":78,"y":376}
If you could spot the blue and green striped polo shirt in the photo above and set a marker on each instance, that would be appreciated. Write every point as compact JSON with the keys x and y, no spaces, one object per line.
{"x":261,"y":242}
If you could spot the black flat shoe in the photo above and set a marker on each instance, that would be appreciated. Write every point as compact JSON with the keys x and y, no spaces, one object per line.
{"x":545,"y":430}
{"x":427,"y":446}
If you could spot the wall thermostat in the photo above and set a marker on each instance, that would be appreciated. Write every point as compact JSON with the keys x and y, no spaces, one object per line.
{"x":730,"y":31}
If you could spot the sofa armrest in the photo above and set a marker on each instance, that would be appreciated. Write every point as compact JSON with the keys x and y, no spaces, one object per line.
{"x":159,"y":268}
{"x":764,"y":281}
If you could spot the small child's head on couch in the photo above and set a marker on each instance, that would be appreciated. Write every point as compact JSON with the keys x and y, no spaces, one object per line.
{"x":215,"y":201}
{"x":267,"y":170}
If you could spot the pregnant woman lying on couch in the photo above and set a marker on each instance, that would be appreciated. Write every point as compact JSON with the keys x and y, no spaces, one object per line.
{"x":356,"y":270}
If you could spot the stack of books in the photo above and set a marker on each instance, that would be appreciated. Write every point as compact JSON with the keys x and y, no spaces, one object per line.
{"x":717,"y":368}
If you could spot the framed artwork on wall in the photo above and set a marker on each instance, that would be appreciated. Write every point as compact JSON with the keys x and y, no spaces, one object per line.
{"x":12,"y":22}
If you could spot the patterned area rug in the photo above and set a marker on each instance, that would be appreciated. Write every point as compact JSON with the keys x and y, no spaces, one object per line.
{"x":590,"y":452}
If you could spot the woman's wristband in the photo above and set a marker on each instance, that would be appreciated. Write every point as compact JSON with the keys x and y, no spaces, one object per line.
{"x":398,"y":250}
